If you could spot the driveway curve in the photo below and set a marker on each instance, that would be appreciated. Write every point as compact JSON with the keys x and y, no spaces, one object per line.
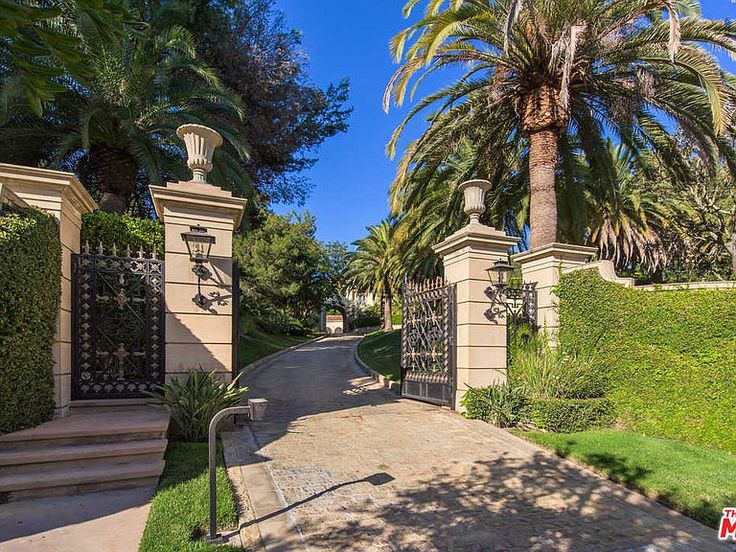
{"x":359,"y":469}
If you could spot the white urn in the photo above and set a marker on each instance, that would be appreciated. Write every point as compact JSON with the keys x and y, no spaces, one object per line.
{"x":475,"y":193}
{"x":201,"y":142}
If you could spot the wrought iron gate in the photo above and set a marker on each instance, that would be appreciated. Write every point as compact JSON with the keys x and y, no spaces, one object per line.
{"x":428,"y":342}
{"x":118,"y":324}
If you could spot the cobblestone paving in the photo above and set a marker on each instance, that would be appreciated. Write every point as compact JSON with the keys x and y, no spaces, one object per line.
{"x":361,"y":469}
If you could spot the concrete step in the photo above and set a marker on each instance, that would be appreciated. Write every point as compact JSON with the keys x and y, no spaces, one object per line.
{"x":92,"y":426}
{"x":69,"y":457}
{"x":113,"y":475}
{"x":107,"y":405}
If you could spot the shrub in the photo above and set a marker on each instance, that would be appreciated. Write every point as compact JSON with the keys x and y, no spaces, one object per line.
{"x":570,"y":415}
{"x":553,"y":373}
{"x":368,"y":318}
{"x":193,"y":403}
{"x":501,"y":405}
{"x":668,"y":355}
{"x":30,"y":283}
{"x":123,"y":231}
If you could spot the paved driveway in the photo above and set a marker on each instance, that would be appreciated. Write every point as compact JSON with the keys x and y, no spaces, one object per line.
{"x":359,"y":469}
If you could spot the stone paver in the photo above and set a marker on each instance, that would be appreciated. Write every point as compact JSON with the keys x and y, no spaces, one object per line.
{"x":110,"y":521}
{"x":360,"y":469}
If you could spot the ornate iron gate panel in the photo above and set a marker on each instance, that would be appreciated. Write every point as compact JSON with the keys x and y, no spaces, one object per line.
{"x":118,"y":329}
{"x":428,"y":342}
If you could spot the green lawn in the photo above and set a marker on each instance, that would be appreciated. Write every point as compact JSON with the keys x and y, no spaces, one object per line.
{"x":258,"y":345}
{"x":180,"y":509}
{"x":382,"y":352}
{"x":692,"y":480}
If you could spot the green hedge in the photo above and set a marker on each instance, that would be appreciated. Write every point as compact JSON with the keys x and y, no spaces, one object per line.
{"x":670,"y":356}
{"x":122,"y":230}
{"x":570,"y":415}
{"x":30,"y":283}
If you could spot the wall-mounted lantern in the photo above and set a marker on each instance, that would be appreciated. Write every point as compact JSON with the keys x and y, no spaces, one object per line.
{"x":519,"y":303}
{"x":199,"y":244}
{"x":499,"y":274}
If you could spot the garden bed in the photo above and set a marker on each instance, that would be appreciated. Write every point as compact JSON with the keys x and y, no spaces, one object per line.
{"x":692,"y":480}
{"x":180,"y":508}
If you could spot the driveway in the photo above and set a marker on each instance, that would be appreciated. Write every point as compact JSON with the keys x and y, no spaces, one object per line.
{"x":356,"y":468}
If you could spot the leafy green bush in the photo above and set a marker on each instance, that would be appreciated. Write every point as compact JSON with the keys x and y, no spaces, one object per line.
{"x":368,"y":318}
{"x":570,"y":415}
{"x":553,"y":373}
{"x":30,"y":284}
{"x":668,"y":355}
{"x":193,"y":403}
{"x":123,"y":231}
{"x":500,"y":405}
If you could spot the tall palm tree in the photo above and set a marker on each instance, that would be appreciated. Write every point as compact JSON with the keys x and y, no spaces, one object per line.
{"x":375,"y":267}
{"x":557,"y":77}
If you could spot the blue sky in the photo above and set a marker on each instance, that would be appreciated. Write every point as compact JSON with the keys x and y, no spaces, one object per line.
{"x":350,"y":39}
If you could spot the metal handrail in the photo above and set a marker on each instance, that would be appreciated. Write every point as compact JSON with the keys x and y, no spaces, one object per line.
{"x":256,"y":410}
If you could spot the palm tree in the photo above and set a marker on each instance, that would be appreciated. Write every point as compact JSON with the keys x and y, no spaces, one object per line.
{"x":39,"y":41}
{"x":375,"y":267}
{"x":555,"y":77}
{"x":116,"y":126}
{"x":626,"y":221}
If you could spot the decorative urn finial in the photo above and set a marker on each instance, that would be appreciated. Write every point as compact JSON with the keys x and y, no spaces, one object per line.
{"x":201,"y":142}
{"x":475,"y":193}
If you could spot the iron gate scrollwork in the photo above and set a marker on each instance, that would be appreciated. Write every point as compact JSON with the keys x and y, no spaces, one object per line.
{"x":118,"y":314}
{"x":428,"y":342}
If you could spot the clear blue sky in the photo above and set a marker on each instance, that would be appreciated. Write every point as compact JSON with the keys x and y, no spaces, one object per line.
{"x":350,"y":39}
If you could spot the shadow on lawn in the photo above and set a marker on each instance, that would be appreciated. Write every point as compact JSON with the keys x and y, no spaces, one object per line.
{"x":620,"y":469}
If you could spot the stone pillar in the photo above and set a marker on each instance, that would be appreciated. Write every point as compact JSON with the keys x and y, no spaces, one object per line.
{"x":544,"y":266}
{"x":480,"y":342}
{"x":198,"y":336}
{"x":61,"y":195}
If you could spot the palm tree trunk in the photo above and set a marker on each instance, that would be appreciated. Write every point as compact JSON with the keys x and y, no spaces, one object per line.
{"x":543,"y":199}
{"x":114,"y":171}
{"x":386,"y":301}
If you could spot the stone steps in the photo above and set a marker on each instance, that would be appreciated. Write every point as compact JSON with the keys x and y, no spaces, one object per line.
{"x":72,"y":456}
{"x":96,"y":448}
{"x":80,"y":480}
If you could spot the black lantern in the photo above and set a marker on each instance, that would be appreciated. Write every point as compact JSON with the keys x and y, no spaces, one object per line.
{"x":499,"y":273}
{"x":199,"y":244}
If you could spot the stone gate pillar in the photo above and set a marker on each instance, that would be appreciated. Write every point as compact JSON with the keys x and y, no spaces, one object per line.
{"x":544,"y":265}
{"x":467,"y":255}
{"x":62,"y":196}
{"x":198,"y":335}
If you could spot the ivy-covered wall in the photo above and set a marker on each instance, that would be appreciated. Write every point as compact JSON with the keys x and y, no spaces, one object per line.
{"x":122,"y":230}
{"x":670,"y":356}
{"x":30,"y":283}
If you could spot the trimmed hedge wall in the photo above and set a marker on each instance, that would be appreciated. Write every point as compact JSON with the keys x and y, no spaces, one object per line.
{"x":570,"y":415}
{"x":670,"y":355}
{"x":30,"y":284}
{"x":122,"y":230}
